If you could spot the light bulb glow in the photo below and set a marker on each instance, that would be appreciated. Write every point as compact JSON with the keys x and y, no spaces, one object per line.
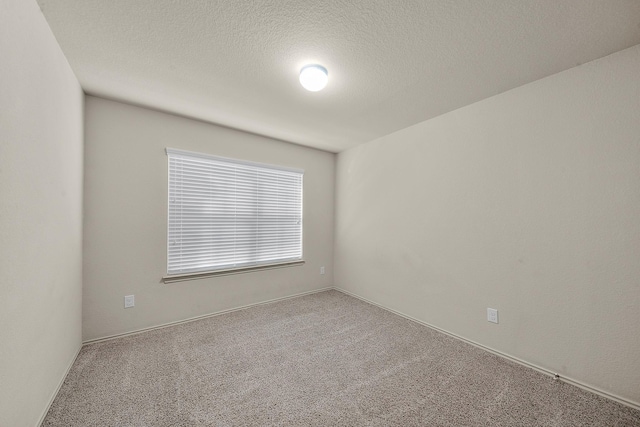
{"x":313,"y":77}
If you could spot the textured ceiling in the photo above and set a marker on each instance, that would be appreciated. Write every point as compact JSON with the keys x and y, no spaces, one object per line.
{"x":391,"y":63}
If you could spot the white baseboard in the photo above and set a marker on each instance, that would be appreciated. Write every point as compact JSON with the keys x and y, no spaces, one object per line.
{"x":55,"y":392}
{"x":165,"y":325}
{"x":571,"y":381}
{"x":204,"y":316}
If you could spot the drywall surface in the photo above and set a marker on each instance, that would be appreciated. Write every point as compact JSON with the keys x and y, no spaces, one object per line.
{"x":125,"y":239}
{"x":527,"y":202}
{"x":41,"y":107}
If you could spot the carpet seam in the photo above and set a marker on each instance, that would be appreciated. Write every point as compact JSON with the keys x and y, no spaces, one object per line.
{"x":514,"y":359}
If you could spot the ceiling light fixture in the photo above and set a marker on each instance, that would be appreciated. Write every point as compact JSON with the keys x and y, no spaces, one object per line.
{"x":313,"y":77}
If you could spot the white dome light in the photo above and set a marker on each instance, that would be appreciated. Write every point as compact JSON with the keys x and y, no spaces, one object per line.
{"x":313,"y":77}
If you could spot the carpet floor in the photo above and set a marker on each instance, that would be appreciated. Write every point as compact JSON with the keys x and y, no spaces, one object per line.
{"x":325,"y":359}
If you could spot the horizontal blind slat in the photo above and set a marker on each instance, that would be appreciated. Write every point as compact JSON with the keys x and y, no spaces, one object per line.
{"x":225,"y":213}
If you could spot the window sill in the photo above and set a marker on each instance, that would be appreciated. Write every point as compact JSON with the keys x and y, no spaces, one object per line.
{"x":203,"y":275}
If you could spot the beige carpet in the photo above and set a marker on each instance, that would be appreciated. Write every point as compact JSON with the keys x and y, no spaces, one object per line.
{"x":320,"y":360}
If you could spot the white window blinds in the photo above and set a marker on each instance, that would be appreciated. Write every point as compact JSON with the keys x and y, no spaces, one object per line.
{"x":226,"y":213}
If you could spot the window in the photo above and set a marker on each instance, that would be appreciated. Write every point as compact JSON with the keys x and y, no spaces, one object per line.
{"x":230,"y":214}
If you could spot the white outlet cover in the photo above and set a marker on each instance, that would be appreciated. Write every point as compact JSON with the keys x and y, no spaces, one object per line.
{"x":492,"y":315}
{"x":129,"y":301}
{"x":321,"y":270}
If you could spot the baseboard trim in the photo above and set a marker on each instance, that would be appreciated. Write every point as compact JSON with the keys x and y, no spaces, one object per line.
{"x":204,"y":316}
{"x":519,"y":361}
{"x":57,"y":390}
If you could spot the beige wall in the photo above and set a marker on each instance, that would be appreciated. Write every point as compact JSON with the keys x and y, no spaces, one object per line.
{"x":528,"y":202}
{"x":40,"y":214}
{"x":126,"y":219}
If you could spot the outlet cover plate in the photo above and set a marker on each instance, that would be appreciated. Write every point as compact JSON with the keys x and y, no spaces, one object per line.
{"x":492,"y":315}
{"x":129,"y":301}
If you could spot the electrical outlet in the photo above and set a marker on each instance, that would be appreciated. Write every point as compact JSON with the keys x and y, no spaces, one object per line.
{"x":322,"y":270}
{"x":129,"y":301}
{"x":492,"y":315}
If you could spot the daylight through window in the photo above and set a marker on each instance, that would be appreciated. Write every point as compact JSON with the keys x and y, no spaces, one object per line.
{"x":226,"y":213}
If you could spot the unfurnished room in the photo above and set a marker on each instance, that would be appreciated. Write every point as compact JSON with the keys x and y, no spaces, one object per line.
{"x":319,"y":213}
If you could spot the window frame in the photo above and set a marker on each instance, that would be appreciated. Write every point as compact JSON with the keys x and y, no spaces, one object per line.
{"x":177,"y":277}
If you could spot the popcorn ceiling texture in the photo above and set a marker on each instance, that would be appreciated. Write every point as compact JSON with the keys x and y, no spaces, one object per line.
{"x":326,"y":359}
{"x":391,"y":63}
